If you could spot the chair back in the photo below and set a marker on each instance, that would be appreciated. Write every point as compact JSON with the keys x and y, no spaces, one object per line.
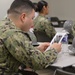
{"x":42,"y":36}
{"x":55,"y":21}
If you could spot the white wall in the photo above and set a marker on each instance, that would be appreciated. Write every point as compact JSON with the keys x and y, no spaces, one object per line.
{"x":64,"y":9}
{"x":4,"y":5}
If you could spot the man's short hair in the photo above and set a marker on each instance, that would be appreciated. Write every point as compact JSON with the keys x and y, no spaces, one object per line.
{"x":19,"y":6}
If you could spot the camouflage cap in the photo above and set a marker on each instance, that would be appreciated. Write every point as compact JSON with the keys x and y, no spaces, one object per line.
{"x":68,"y":25}
{"x":72,"y":47}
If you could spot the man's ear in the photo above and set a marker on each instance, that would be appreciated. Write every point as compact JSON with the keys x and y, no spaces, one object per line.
{"x":22,"y":17}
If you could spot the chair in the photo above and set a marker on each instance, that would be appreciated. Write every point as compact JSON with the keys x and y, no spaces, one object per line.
{"x":62,"y":72}
{"x":42,"y":36}
{"x":56,"y":22}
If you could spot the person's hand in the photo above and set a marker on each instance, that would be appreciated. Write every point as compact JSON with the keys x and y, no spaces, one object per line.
{"x":26,"y":68}
{"x":43,"y":46}
{"x":56,"y":46}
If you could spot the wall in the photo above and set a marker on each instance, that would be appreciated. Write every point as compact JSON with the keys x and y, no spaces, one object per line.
{"x":4,"y":5}
{"x":64,"y":9}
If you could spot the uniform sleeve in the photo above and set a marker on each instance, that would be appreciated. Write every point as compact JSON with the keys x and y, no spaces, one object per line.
{"x":22,"y":50}
{"x":50,"y":31}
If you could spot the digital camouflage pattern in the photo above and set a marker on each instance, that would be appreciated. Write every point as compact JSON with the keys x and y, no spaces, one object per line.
{"x":73,"y":30}
{"x":72,"y":33}
{"x":16,"y":49}
{"x":42,"y":24}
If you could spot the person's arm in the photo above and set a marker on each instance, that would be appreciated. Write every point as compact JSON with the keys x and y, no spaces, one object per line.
{"x":50,"y":31}
{"x":24,"y":52}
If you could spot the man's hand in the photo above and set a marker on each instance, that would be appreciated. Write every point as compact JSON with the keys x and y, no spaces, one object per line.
{"x":56,"y":46}
{"x":43,"y":46}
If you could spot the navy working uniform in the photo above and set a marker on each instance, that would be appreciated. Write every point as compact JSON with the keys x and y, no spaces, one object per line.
{"x":16,"y":49}
{"x":42,"y":24}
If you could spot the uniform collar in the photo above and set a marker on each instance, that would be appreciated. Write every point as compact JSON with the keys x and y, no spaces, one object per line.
{"x":13,"y":25}
{"x":41,"y":15}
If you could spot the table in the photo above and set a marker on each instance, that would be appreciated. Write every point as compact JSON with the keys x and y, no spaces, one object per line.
{"x":59,"y":29}
{"x":64,"y":59}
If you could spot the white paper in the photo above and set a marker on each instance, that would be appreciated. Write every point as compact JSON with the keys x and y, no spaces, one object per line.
{"x":57,"y":38}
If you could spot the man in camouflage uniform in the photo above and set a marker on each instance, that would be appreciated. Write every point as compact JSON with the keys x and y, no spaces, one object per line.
{"x":15,"y":46}
{"x":41,"y":23}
